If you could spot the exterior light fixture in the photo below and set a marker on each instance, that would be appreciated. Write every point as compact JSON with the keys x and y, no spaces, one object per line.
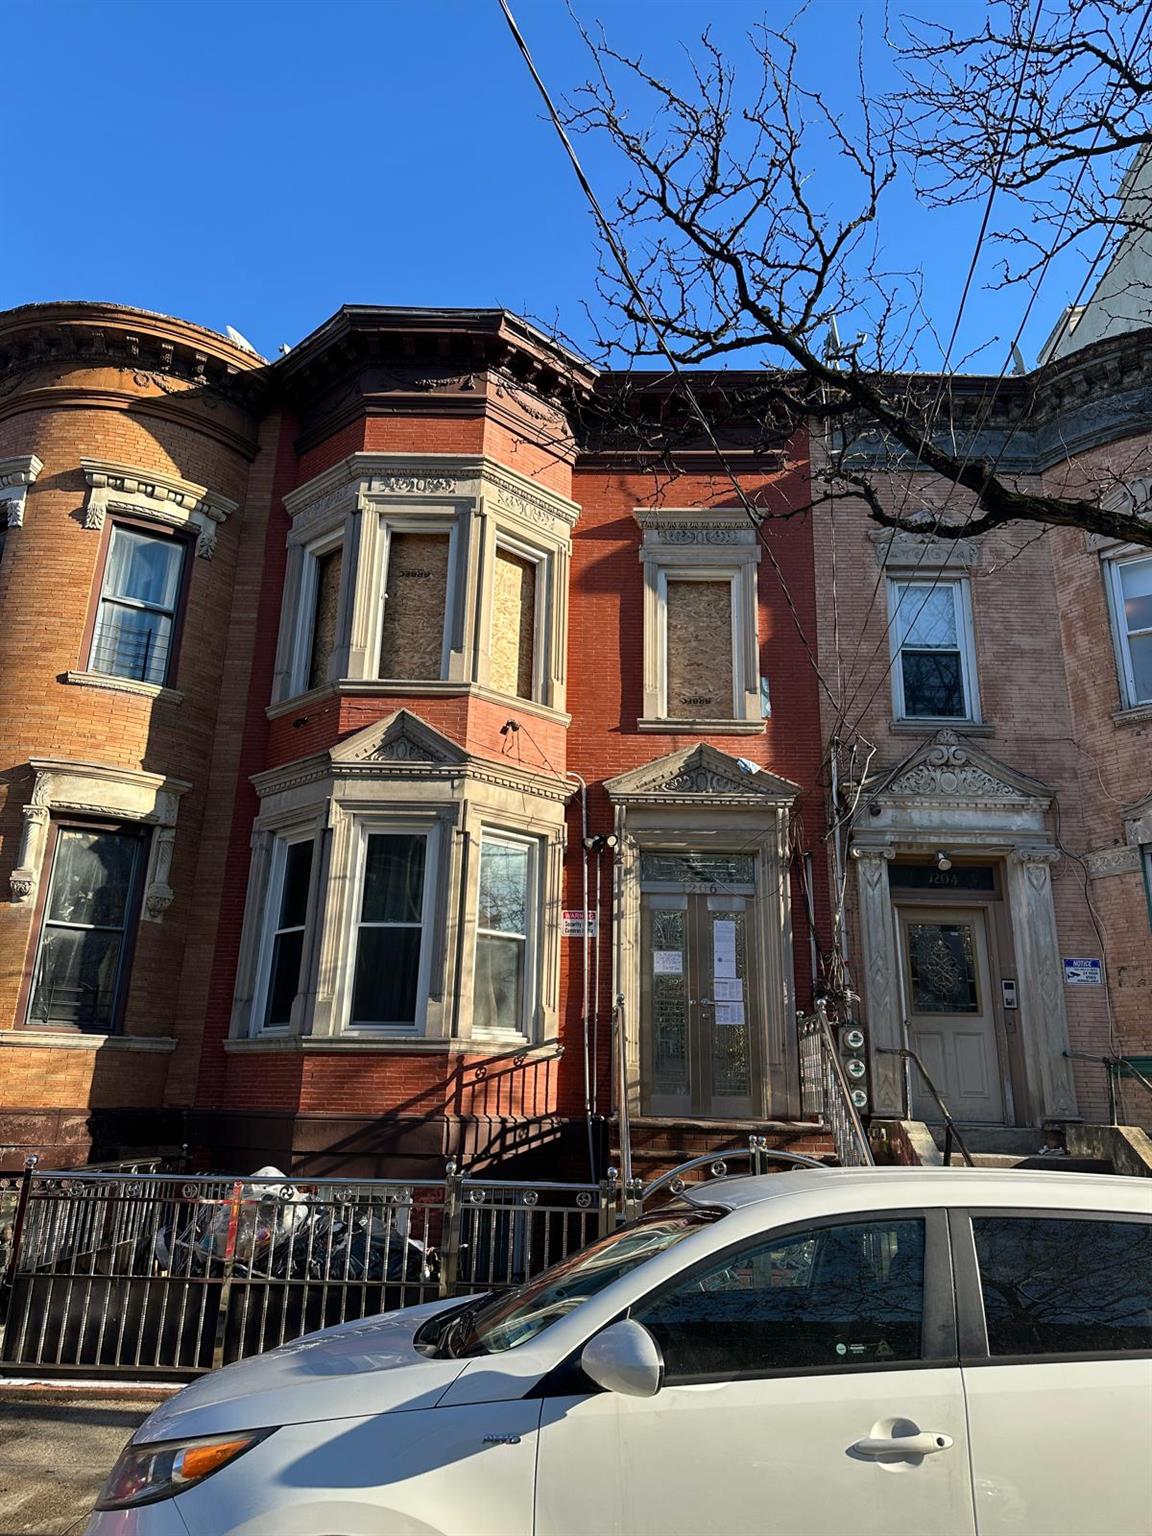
{"x":943,"y":862}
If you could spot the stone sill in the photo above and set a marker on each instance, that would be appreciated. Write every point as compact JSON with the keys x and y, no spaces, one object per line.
{"x":125,"y":685}
{"x":414,"y":1045}
{"x":703,"y":727}
{"x":930,"y":727}
{"x":1139,"y":714}
{"x":69,"y":1040}
{"x":432,"y":687}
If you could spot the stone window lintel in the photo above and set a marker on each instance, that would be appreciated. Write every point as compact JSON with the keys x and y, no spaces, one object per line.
{"x":94,"y":789}
{"x":157,"y":497}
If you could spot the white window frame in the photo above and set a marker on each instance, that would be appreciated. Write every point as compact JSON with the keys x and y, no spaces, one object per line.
{"x":543,"y":601}
{"x":712,"y":574}
{"x":441,"y":527}
{"x":306,"y":608}
{"x":960,"y":587}
{"x":174,"y":614}
{"x":1120,"y":631}
{"x":274,"y":890}
{"x":388,"y":826}
{"x":527,"y":1028}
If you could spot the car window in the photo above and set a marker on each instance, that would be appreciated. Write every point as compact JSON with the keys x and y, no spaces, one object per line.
{"x":845,"y":1295}
{"x":512,"y":1319}
{"x":1055,"y":1285}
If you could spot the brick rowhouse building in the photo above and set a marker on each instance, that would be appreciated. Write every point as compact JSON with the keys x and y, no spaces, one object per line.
{"x":333,"y":693}
{"x":999,"y":856}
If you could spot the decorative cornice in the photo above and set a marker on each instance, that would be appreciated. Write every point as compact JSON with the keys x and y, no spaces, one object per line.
{"x":922,"y":551}
{"x":16,"y":475}
{"x":163,"y":498}
{"x":695,"y":526}
{"x":696,"y":774}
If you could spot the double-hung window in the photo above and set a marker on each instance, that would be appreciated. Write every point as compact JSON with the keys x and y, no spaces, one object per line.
{"x":90,"y":909}
{"x":505,"y":934}
{"x":390,"y":979}
{"x":290,"y":884}
{"x":1131,"y":593}
{"x":934,"y":670}
{"x":134,"y":634}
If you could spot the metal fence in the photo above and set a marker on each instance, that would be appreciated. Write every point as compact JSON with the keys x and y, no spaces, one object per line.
{"x":153,"y":1274}
{"x":164,"y":1275}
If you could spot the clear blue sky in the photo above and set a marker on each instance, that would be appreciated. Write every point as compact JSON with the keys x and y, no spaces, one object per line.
{"x":258,"y":164}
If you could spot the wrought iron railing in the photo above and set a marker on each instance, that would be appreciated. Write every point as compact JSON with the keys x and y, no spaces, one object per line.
{"x":167,"y":1275}
{"x":825,"y":1091}
{"x":952,"y":1134}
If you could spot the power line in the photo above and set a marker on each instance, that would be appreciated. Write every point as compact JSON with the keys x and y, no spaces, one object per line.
{"x":755,"y":517}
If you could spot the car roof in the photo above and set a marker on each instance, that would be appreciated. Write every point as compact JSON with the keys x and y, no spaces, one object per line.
{"x":1029,"y":1187}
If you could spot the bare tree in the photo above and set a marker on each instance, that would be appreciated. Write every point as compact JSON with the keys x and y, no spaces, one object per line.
{"x":753,"y":220}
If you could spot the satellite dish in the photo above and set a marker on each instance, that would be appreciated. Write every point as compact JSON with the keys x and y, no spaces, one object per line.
{"x":241,"y":341}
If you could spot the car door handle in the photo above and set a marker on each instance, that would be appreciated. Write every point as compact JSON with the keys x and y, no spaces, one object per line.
{"x":923,"y":1444}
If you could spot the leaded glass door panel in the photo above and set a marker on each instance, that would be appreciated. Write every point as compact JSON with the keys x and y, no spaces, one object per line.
{"x":700,"y":1048}
{"x":951,"y":1018}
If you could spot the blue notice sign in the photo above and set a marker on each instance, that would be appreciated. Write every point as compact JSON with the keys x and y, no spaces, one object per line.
{"x":1083,"y":973}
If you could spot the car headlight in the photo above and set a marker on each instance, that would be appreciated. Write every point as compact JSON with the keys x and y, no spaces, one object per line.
{"x":145,"y":1473}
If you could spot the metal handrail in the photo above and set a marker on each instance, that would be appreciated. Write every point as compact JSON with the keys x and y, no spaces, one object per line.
{"x":951,"y":1129}
{"x":1115,"y":1067}
{"x":848,"y":1133}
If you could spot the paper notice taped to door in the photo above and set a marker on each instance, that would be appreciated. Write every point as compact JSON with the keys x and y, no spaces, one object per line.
{"x":667,"y":962}
{"x":729,"y":1013}
{"x":724,"y":948}
{"x":725,"y":989}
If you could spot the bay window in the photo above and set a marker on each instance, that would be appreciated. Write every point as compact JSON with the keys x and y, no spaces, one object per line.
{"x":90,"y":909}
{"x":505,"y":933}
{"x":290,"y":886}
{"x":389,"y":979}
{"x":934,"y":668}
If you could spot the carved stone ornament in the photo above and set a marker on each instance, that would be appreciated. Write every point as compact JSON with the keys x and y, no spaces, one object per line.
{"x":923,"y":551}
{"x":527,"y":507}
{"x":402,"y":739}
{"x":162,"y":498}
{"x":703,"y":529}
{"x":412,"y":485}
{"x":1112,"y":861}
{"x":118,"y":794}
{"x":702,"y":772}
{"x":402,"y":748}
{"x":16,"y":475}
{"x":948,"y":769}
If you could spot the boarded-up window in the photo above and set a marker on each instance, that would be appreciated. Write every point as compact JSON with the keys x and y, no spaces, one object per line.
{"x":513,"y":625}
{"x":325,"y":615}
{"x":699,"y":650}
{"x":412,"y":634}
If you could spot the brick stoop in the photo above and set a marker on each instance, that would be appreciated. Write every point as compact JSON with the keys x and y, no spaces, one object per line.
{"x":659,"y":1145}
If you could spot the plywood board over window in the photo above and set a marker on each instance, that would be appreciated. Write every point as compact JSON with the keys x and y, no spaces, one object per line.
{"x":325,"y":615}
{"x":513,"y":662}
{"x":412,"y":632}
{"x":699,"y":650}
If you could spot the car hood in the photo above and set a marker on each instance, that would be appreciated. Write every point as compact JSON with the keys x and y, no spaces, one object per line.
{"x":365,"y":1367}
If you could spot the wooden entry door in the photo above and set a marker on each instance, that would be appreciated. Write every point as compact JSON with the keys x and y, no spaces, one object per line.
{"x":700,"y":1007}
{"x":951,"y":1014}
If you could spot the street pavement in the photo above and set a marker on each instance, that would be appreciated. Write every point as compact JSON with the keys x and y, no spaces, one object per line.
{"x":56,"y":1447}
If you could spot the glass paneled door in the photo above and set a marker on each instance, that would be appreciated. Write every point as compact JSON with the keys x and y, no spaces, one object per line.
{"x":700,"y":1043}
{"x":951,"y":1020}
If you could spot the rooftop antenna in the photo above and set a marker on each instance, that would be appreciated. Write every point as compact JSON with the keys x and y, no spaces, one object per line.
{"x":1018,"y":359}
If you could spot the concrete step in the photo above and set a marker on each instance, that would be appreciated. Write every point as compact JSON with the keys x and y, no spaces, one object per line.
{"x":1005,"y":1140}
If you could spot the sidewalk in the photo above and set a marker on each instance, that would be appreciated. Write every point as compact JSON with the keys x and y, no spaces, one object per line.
{"x":57,"y":1445}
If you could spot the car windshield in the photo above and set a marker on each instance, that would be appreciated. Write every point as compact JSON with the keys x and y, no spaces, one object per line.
{"x":502,"y":1322}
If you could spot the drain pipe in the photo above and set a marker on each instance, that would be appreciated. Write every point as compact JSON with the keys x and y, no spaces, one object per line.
{"x":585,"y":841}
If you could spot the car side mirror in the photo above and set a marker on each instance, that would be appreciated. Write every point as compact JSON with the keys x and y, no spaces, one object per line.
{"x":624,"y":1358}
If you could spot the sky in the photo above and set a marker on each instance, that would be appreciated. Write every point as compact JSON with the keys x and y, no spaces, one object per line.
{"x":258,"y":163}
